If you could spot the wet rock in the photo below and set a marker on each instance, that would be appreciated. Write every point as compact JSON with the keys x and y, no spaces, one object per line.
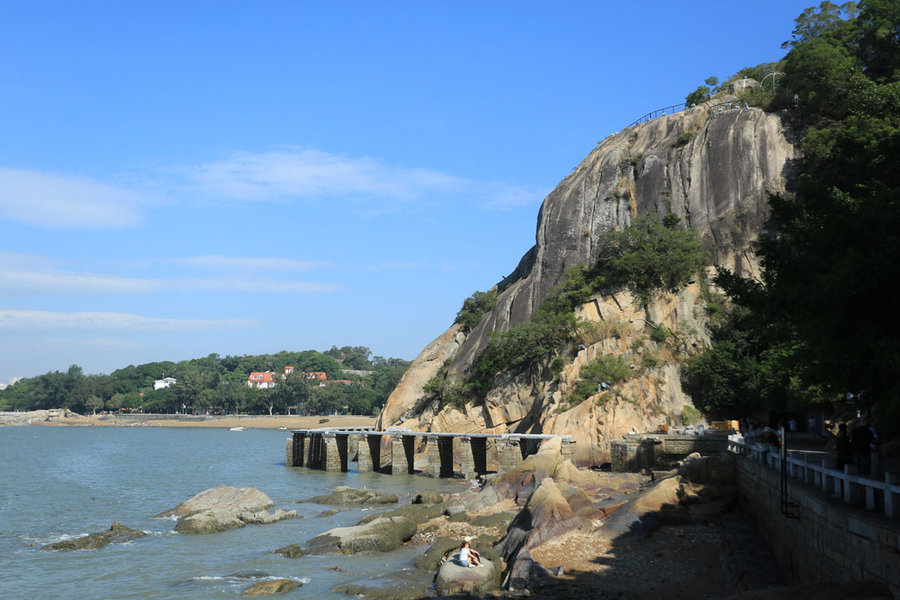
{"x":417,"y":513}
{"x":235,"y":499}
{"x":347,"y":496}
{"x":407,"y":584}
{"x":272,"y":586}
{"x":116,"y":534}
{"x":291,"y":551}
{"x":428,"y":497}
{"x":380,"y":535}
{"x":225,"y":508}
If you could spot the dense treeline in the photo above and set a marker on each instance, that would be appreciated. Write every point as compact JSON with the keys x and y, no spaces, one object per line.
{"x":219,"y":384}
{"x":821,"y":325}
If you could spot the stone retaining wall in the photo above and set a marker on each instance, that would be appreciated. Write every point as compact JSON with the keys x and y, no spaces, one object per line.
{"x":829,"y":541}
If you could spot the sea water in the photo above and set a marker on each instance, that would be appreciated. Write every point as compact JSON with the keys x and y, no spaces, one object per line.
{"x":63,"y":482}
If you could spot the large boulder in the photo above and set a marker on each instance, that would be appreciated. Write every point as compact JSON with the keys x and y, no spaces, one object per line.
{"x":225,"y":508}
{"x":453,"y":578}
{"x":635,"y":516}
{"x":380,"y":535}
{"x":236,"y":499}
{"x":348,"y":496}
{"x":117,"y":533}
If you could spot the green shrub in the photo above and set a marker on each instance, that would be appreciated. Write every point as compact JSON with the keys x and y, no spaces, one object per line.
{"x":474,"y":307}
{"x":684,"y":138}
{"x":660,"y":334}
{"x":601,"y":373}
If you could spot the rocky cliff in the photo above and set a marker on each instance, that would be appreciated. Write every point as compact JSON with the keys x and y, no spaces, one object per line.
{"x":712,"y":166}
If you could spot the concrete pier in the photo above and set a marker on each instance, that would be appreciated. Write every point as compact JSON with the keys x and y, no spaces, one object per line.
{"x":333,"y":449}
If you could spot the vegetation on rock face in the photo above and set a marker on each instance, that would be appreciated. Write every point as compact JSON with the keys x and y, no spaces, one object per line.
{"x":474,"y":307}
{"x":599,"y":375}
{"x":821,"y":323}
{"x":648,"y":256}
{"x":216,"y":383}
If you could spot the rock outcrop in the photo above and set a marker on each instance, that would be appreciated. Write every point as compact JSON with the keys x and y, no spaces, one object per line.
{"x":224,"y":508}
{"x":343,"y":495}
{"x":116,"y":534}
{"x":714,"y":170}
{"x":379,"y":535}
{"x":453,"y":578}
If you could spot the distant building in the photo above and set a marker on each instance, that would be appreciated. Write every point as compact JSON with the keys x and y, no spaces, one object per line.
{"x":316,"y":376}
{"x":161,"y":384}
{"x":259,"y":379}
{"x":287,"y":371}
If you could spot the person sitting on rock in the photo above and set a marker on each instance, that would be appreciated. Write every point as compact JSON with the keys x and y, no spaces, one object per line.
{"x":468,"y":556}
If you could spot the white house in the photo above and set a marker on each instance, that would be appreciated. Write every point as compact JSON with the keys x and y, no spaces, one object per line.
{"x":165,"y":382}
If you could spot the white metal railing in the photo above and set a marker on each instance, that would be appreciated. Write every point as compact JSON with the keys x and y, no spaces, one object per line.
{"x":849,"y":487}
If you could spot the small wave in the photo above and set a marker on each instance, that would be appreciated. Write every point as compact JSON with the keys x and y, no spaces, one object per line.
{"x":36,"y":541}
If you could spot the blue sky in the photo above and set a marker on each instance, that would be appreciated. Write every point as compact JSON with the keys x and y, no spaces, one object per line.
{"x":183,"y":178}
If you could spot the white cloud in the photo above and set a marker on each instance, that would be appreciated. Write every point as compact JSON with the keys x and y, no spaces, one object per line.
{"x":26,"y":281}
{"x":39,"y":320}
{"x":242,"y":263}
{"x":312,"y":174}
{"x":62,"y":201}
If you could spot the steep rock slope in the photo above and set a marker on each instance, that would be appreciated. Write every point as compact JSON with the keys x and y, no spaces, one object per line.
{"x":712,"y":166}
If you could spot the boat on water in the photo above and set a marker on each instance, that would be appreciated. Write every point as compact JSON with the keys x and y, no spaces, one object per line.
{"x":238,"y":428}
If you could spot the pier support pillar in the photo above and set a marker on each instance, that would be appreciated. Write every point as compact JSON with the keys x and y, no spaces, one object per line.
{"x":509,"y":454}
{"x":335,"y":452}
{"x":466,"y":458}
{"x":402,"y":454}
{"x":289,"y":453}
{"x":297,"y":453}
{"x":440,"y":456}
{"x":369,"y":453}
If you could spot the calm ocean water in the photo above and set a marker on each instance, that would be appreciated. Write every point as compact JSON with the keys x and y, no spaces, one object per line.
{"x":68,"y":481}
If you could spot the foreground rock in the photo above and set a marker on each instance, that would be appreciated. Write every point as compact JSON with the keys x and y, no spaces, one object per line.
{"x":224,"y":508}
{"x":347,"y":496}
{"x":453,"y":578}
{"x":273,"y":586}
{"x":116,"y":534}
{"x":379,"y":535}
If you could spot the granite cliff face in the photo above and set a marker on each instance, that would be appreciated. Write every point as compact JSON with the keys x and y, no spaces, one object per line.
{"x":712,"y":168}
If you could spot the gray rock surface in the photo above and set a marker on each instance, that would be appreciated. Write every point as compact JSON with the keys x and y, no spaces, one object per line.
{"x":379,"y":535}
{"x":234,"y":498}
{"x":271,"y":586}
{"x":225,"y":508}
{"x":117,"y":533}
{"x":453,"y":578}
{"x":717,"y":183}
{"x":347,"y":496}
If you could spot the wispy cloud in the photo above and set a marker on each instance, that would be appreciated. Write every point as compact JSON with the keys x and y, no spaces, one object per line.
{"x":315,"y":175}
{"x":243,"y":263}
{"x":64,"y":201}
{"x":38,"y":320}
{"x":68,"y":282}
{"x":60,"y":201}
{"x":31,"y":274}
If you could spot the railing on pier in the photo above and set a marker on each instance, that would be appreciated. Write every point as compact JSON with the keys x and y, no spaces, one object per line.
{"x":850,"y":488}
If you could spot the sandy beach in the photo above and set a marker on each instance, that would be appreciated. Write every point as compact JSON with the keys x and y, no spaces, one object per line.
{"x":62,"y":418}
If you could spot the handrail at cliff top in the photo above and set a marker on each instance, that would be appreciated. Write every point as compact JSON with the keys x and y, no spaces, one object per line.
{"x":660,"y":112}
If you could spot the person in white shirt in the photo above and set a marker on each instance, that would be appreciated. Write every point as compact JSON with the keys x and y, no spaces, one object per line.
{"x":468,"y":556}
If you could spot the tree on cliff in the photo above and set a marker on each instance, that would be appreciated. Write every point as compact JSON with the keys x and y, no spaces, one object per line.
{"x":821,"y":317}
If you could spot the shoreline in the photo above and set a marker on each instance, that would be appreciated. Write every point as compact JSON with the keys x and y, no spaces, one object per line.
{"x":64,"y":418}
